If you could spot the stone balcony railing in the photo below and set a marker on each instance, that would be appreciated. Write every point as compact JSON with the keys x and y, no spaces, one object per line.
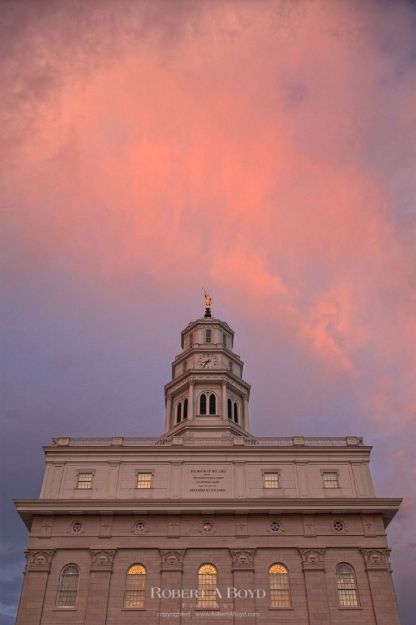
{"x":269,"y":441}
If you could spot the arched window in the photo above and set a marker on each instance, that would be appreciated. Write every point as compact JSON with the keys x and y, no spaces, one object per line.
{"x":235,"y":412}
{"x":207,"y":586}
{"x":203,"y":404}
{"x":207,"y":336}
{"x":135,"y":586}
{"x":67,"y":588}
{"x":212,"y":404}
{"x":279,"y":586}
{"x":185,"y":409}
{"x":230,"y":409}
{"x":179,"y":413}
{"x":347,"y":586}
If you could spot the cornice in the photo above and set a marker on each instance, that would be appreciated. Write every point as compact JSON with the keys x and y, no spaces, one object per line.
{"x":28,"y":508}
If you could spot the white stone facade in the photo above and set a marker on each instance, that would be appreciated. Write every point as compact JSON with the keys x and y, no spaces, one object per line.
{"x":207,"y":492}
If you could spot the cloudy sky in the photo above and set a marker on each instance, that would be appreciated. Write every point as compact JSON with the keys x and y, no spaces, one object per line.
{"x":265,"y":150}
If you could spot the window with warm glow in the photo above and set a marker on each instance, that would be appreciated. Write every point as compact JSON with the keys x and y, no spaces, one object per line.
{"x":207,"y":586}
{"x":84,"y":480}
{"x":279,"y":586}
{"x":144,"y":480}
{"x":135,"y":587}
{"x":271,"y":480}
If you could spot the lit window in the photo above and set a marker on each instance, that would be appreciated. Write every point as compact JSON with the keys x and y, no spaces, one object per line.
{"x":67,"y":588}
{"x":135,"y":586}
{"x":203,"y":404}
{"x":84,"y":480}
{"x":144,"y":480}
{"x":207,"y":336}
{"x":347,"y":586}
{"x":207,"y":586}
{"x":330,"y":479}
{"x":279,"y":586}
{"x":212,"y":404}
{"x":271,"y":480}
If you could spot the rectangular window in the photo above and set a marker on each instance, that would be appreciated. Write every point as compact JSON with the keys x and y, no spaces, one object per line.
{"x":84,"y":480}
{"x":144,"y":480}
{"x":191,"y":339}
{"x":271,"y":480}
{"x":330,"y":479}
{"x":207,"y":336}
{"x":224,"y":339}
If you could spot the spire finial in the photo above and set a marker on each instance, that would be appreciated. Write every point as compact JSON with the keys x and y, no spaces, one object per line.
{"x":208,"y":303}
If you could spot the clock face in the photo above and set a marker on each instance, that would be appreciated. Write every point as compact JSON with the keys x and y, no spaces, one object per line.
{"x":207,"y":362}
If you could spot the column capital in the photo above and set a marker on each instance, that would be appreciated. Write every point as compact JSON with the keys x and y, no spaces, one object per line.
{"x":172,"y":559}
{"x":243,"y":559}
{"x":102,"y":559}
{"x":312,"y":559}
{"x":376,"y":559}
{"x":39,"y":559}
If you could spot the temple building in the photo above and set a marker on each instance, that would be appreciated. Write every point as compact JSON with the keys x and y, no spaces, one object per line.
{"x":207,"y":523}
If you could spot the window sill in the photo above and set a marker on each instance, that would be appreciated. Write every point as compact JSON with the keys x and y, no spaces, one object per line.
{"x":217,"y":609}
{"x":351,"y":607}
{"x":65,"y":609}
{"x":130,"y":609}
{"x":280,"y":609}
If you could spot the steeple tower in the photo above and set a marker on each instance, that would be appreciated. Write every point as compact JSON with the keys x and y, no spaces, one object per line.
{"x":207,"y":395}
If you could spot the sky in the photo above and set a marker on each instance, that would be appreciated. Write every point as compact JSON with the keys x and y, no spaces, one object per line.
{"x":263,"y":150}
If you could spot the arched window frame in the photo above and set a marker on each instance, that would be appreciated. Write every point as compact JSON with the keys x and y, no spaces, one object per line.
{"x":212,"y":404}
{"x":235,"y":413}
{"x":135,"y":586}
{"x":203,"y":404}
{"x":207,"y":586}
{"x":230,"y":409}
{"x":67,"y":587}
{"x":347,"y":586}
{"x":279,"y":584}
{"x":185,"y":409}
{"x":179,"y":412}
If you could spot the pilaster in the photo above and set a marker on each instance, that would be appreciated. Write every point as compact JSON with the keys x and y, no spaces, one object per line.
{"x":315,"y":582}
{"x":381,"y":586}
{"x":243,"y":578}
{"x":38,"y":566}
{"x":99,"y":585}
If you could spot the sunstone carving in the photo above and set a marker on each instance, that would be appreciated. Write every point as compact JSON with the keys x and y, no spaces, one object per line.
{"x":39,"y":559}
{"x":102,"y":559}
{"x":312,"y":559}
{"x":172,"y":559}
{"x":243,"y":559}
{"x":376,"y":559}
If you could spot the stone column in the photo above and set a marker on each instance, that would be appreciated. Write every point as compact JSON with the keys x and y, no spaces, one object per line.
{"x":168,"y":412}
{"x":99,"y":586}
{"x":243,"y":580}
{"x":171,"y":578}
{"x":315,"y":583}
{"x":246,"y":423}
{"x":224,"y":400}
{"x":191,"y":401}
{"x":381,"y":586}
{"x":38,"y":565}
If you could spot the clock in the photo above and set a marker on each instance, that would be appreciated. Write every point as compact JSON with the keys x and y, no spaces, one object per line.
{"x":207,"y":362}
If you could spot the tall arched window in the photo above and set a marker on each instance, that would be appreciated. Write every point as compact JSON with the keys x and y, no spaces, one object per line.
{"x":279,"y":586}
{"x":179,"y":413}
{"x":207,"y":586}
{"x":212,"y":404}
{"x":185,"y":409}
{"x":67,"y":588}
{"x":230,"y":409}
{"x":235,"y":412}
{"x":135,"y":587}
{"x":347,"y":586}
{"x":203,"y":404}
